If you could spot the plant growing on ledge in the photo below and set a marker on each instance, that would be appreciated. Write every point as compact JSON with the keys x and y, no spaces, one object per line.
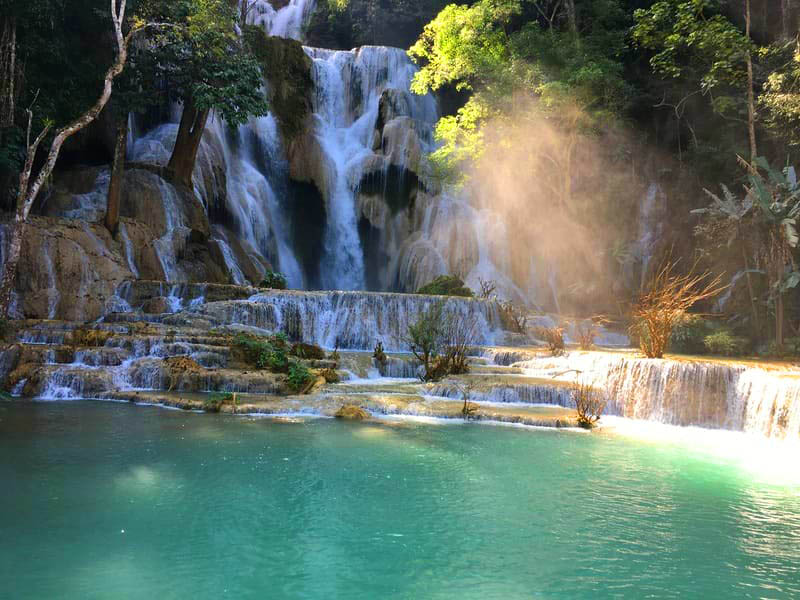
{"x":424,"y":338}
{"x":487,"y":288}
{"x":273,"y":281}
{"x":587,"y":330}
{"x":554,"y":338}
{"x":512,"y":316}
{"x":446,"y":285}
{"x":589,"y":404}
{"x":665,"y":302}
{"x":299,"y":378}
{"x":379,"y":355}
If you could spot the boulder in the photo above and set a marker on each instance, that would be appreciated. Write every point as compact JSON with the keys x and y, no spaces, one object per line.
{"x":351,"y":412}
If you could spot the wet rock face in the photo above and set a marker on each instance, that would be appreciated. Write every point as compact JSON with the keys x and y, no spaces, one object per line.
{"x":395,"y":23}
{"x":68,"y":269}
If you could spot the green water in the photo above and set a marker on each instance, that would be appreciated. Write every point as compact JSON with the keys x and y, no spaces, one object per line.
{"x":114,"y":501}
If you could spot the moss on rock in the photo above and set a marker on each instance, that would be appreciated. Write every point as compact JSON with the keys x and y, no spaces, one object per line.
{"x":287,"y":67}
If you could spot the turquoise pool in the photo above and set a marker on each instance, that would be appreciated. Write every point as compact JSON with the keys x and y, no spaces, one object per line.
{"x":116,"y":501}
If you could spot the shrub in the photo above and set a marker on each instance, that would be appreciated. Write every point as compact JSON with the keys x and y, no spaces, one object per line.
{"x":299,"y":377}
{"x":441,"y":342}
{"x":458,"y":336}
{"x":5,"y":328}
{"x":724,"y":343}
{"x":689,"y":334}
{"x":335,"y":354}
{"x":379,"y":355}
{"x":589,"y":404}
{"x":214,"y":402}
{"x":554,"y":338}
{"x":665,"y":302}
{"x":307,"y":351}
{"x":270,"y":353}
{"x":587,"y":330}
{"x":273,"y":281}
{"x":446,"y":285}
{"x":512,"y":317}
{"x":331,"y":375}
{"x":487,"y":288}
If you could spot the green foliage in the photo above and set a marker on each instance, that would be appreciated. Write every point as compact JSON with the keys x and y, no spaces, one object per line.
{"x":725,"y":343}
{"x":446,"y":285}
{"x":299,"y":377}
{"x":780,"y":98}
{"x":214,"y":402}
{"x":271,"y":353}
{"x":483,"y":48}
{"x":441,"y":342}
{"x":790,"y":349}
{"x":307,"y":351}
{"x":691,"y":38}
{"x":425,"y":340}
{"x":689,"y":335}
{"x":273,"y":281}
{"x":199,"y":59}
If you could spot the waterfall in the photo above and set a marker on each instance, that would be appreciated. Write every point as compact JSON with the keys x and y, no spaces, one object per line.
{"x":705,"y":394}
{"x":349,"y":320}
{"x":285,"y":22}
{"x":348,"y":86}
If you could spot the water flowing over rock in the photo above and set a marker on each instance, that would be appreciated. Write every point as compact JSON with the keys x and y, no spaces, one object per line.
{"x":348,"y":320}
{"x":703,"y":394}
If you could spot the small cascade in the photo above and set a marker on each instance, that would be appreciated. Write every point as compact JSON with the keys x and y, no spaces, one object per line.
{"x":287,"y":21}
{"x":703,"y":394}
{"x":348,"y":320}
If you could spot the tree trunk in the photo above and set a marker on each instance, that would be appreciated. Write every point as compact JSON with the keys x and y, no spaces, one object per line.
{"x":8,"y":72}
{"x":753,"y":303}
{"x":29,"y":191}
{"x":779,"y":320}
{"x":786,"y":20}
{"x":190,"y":132}
{"x":751,"y":101}
{"x":572,"y":18}
{"x":117,"y":175}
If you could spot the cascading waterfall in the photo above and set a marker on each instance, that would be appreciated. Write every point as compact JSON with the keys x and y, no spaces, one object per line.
{"x":704,"y":394}
{"x":348,"y":87}
{"x":348,"y":320}
{"x":284,"y":22}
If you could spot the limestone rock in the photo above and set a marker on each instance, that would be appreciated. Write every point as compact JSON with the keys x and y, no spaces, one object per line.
{"x":351,"y":412}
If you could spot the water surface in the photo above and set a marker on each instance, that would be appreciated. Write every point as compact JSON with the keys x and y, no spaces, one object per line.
{"x":115,"y":501}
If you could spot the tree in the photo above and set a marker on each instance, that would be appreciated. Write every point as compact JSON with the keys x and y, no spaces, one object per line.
{"x":692,"y":40}
{"x":205,"y":67}
{"x":778,"y":197}
{"x":424,"y":339}
{"x":733,"y":219}
{"x":29,"y":190}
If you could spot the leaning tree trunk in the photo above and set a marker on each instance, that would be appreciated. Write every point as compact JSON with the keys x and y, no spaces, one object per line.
{"x":190,"y":133}
{"x":117,"y":176}
{"x":29,"y":191}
